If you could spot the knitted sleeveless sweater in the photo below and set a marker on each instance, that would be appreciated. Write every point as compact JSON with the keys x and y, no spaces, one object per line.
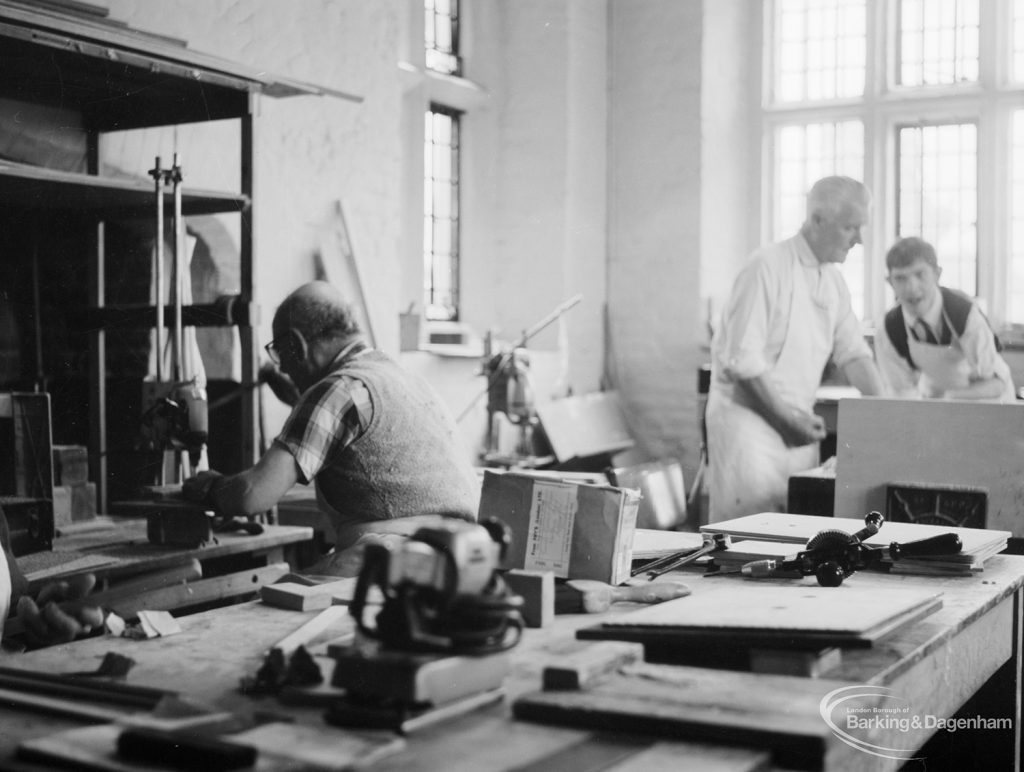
{"x":409,"y":461}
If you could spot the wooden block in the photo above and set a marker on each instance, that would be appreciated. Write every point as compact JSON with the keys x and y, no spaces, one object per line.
{"x":538,"y":591}
{"x":810,"y":664}
{"x":587,"y":665}
{"x":83,"y":502}
{"x":61,"y":506}
{"x":297,"y":597}
{"x":73,"y":503}
{"x":70,"y":464}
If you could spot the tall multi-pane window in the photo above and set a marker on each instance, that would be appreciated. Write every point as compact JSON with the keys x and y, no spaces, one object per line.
{"x":938,"y":41}
{"x":924,"y":101}
{"x":1017,"y":42}
{"x":441,"y":35}
{"x":1016,"y":282}
{"x":819,"y":51}
{"x":938,"y":196}
{"x":805,"y":153}
{"x":441,"y":214}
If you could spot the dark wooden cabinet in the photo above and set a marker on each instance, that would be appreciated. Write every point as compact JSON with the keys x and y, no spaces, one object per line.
{"x":60,"y":216}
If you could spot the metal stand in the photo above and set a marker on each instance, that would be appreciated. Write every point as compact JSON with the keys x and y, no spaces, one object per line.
{"x":509,"y":392}
{"x":176,"y":408}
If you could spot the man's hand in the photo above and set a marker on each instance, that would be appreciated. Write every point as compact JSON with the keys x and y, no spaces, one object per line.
{"x":46,"y":622}
{"x":803,"y":428}
{"x":198,"y":488}
{"x":797,"y":427}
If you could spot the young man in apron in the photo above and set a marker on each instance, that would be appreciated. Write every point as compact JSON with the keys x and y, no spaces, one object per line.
{"x":788,"y":314}
{"x":936,"y":342}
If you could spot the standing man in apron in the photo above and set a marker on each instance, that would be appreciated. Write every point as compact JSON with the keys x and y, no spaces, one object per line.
{"x":936,"y":342}
{"x":789,"y":312}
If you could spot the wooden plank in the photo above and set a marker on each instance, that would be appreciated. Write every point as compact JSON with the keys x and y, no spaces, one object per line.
{"x":126,"y":544}
{"x":217,"y":588}
{"x":685,"y":703}
{"x":297,"y":597}
{"x":585,"y":425}
{"x":800,"y":614}
{"x":311,"y":629}
{"x":977,"y":544}
{"x":56,"y":706}
{"x":95,"y":748}
{"x":706,"y":758}
{"x":588,"y":664}
{"x":986,"y":438}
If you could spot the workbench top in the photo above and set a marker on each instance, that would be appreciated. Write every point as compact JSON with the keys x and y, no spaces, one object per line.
{"x":975,"y":634}
{"x":117,"y":547}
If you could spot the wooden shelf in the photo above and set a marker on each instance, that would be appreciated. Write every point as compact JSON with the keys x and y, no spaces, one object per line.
{"x":33,"y":187}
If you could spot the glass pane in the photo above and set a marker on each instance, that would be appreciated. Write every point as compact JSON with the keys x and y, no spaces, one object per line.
{"x":1018,"y":39}
{"x":441,"y":35}
{"x":440,"y":222}
{"x":938,"y":42}
{"x":804,"y":154}
{"x":1015,"y":313}
{"x":819,"y":49}
{"x":938,"y":196}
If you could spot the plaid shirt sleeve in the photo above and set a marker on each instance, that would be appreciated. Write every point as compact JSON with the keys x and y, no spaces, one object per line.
{"x":328,"y":418}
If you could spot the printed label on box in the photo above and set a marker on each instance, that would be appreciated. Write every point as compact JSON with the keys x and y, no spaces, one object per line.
{"x":552,"y":516}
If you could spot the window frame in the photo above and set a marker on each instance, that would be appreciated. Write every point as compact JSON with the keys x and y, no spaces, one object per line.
{"x":990,"y":103}
{"x":456,"y":217}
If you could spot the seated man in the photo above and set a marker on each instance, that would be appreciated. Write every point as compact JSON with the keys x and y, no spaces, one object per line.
{"x":44,"y":621}
{"x":936,"y":342}
{"x":383,"y":451}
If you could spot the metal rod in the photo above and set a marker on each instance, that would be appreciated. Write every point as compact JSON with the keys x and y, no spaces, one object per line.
{"x":158,"y":267}
{"x":37,"y":313}
{"x":179,"y":271}
{"x":529,"y":333}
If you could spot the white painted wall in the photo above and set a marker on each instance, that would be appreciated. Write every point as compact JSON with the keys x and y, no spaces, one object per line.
{"x":534,"y":180}
{"x":604,"y":155}
{"x":654,"y":218}
{"x":311,"y":152}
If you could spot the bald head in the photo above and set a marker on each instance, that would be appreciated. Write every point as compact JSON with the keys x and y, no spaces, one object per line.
{"x":311,"y":327}
{"x":316,"y":310}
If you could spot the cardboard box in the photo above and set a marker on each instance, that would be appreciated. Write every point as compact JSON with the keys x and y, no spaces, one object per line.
{"x":576,"y":531}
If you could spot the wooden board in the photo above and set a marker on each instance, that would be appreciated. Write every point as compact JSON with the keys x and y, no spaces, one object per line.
{"x":978,"y":544}
{"x":585,"y":425}
{"x":280,"y":747}
{"x":970,"y":444}
{"x":754,"y":549}
{"x":673,"y":701}
{"x":796,"y":614}
{"x":653,"y":543}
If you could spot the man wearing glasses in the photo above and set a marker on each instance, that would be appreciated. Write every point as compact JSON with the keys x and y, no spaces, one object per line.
{"x":383,"y":451}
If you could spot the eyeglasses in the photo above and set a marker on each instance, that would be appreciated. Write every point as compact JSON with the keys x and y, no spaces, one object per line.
{"x":273,"y":352}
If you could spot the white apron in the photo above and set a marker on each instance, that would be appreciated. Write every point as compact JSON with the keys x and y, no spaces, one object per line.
{"x":945,"y":367}
{"x":749,"y":464}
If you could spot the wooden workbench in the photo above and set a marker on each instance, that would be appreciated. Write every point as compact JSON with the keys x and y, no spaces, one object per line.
{"x":966,"y":652}
{"x":118,"y":553}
